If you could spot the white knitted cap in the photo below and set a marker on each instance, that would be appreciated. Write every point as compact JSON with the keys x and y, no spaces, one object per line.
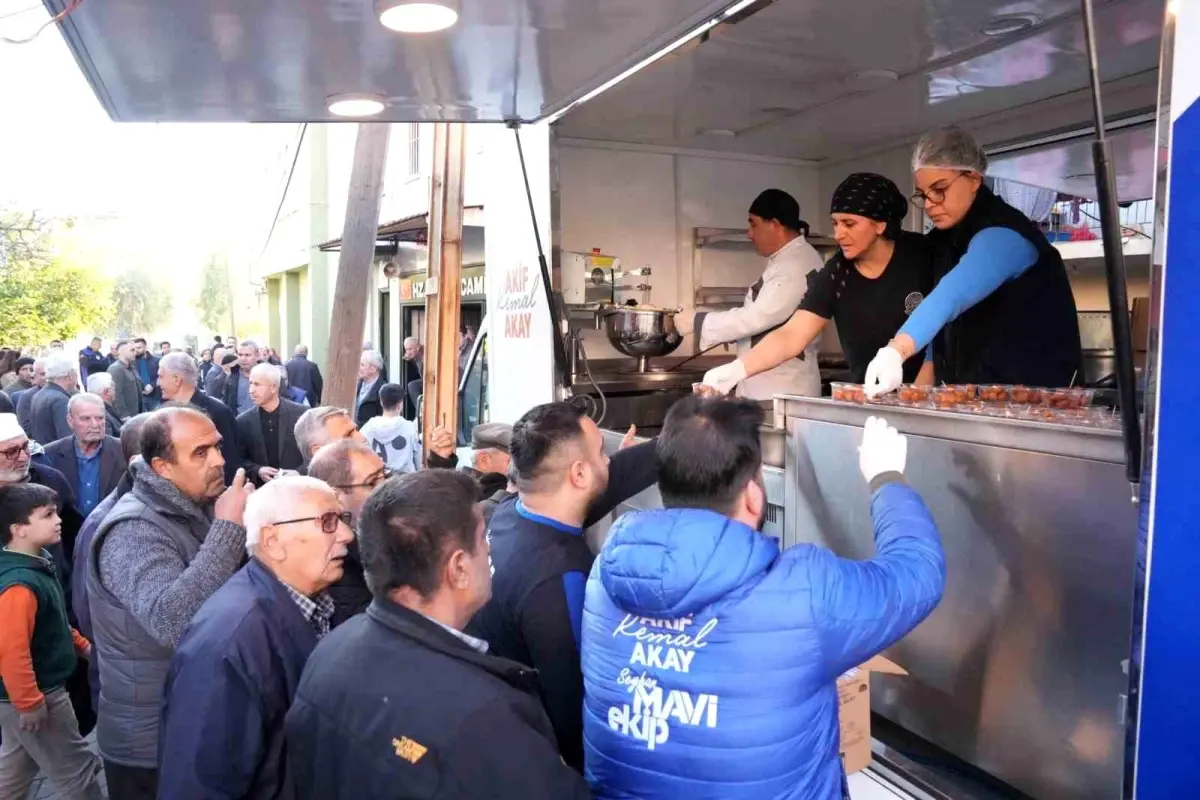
{"x":10,"y":428}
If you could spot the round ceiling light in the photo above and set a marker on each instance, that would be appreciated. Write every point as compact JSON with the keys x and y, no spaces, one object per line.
{"x":356,"y":105}
{"x":1008,"y":25}
{"x":417,"y":16}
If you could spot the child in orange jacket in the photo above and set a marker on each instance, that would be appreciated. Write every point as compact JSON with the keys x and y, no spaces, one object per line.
{"x":38,"y":652}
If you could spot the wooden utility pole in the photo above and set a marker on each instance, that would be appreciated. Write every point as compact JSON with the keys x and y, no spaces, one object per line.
{"x":443,"y":297}
{"x":348,"y":312}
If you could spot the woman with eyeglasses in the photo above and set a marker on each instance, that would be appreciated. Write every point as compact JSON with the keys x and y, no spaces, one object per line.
{"x":1002,"y":310}
{"x":878,"y":277}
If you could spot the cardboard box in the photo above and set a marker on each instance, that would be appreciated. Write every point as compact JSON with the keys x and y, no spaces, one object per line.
{"x":854,"y":711}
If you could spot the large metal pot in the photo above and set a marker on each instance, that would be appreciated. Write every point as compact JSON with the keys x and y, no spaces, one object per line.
{"x":642,"y":332}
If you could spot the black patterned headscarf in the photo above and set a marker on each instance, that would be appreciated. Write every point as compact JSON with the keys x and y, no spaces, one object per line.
{"x":873,"y":196}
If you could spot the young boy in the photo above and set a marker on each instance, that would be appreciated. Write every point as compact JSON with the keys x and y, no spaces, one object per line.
{"x":38,"y":651}
{"x":393,"y":437}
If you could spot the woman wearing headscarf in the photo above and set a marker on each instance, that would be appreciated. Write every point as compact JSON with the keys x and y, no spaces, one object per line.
{"x":869,"y":287}
{"x":1002,"y":311}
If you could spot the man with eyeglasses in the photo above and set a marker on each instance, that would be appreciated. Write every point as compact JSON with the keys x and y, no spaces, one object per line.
{"x":236,"y":669}
{"x":16,"y":467}
{"x":163,"y":550}
{"x":353,"y":469}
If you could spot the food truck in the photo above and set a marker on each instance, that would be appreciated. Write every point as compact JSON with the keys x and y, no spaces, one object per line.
{"x":626,"y":142}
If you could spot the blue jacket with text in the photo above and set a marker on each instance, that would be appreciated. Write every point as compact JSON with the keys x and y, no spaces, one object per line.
{"x":710,"y":658}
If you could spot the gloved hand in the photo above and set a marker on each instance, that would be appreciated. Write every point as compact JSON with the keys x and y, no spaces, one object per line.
{"x":883,"y":449}
{"x":885,"y":373}
{"x":726,"y":377}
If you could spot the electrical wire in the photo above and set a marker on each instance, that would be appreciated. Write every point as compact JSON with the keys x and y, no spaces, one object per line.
{"x":20,"y":11}
{"x":59,"y":17}
{"x":587,"y":367}
{"x":286,"y":186}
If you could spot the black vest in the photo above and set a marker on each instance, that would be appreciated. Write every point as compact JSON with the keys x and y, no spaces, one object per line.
{"x":1025,"y":332}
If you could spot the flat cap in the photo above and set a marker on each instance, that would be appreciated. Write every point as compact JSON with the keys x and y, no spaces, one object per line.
{"x":492,"y":436}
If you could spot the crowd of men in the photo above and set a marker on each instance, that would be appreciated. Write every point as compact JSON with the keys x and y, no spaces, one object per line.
{"x":313,"y":615}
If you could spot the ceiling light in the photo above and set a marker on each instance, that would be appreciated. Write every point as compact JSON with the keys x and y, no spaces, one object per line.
{"x":726,"y":132}
{"x":417,"y":16}
{"x":356,"y":105}
{"x":1008,"y":25}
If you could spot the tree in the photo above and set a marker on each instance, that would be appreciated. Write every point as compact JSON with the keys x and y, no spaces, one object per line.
{"x":141,"y":302}
{"x":213,"y":302}
{"x":42,"y":296}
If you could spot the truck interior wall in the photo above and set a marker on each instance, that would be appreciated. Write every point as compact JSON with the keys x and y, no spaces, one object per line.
{"x":642,"y":204}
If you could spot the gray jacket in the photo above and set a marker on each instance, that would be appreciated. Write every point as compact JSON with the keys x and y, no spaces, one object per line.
{"x":156,"y":558}
{"x":127,"y":387}
{"x":50,"y":414}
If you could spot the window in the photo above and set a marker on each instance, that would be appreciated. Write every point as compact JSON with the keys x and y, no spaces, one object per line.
{"x":414,"y":149}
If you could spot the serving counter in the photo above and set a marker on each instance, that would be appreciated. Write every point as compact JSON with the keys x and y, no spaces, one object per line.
{"x":1021,"y":670}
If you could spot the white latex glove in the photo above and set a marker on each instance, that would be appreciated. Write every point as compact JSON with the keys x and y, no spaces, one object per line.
{"x":883,"y":449}
{"x":726,"y":377}
{"x":885,"y":373}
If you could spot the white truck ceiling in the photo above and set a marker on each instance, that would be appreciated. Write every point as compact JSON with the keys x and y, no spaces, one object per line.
{"x":813,"y":79}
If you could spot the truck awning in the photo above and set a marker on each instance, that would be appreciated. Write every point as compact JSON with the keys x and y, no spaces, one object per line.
{"x":408,"y":229}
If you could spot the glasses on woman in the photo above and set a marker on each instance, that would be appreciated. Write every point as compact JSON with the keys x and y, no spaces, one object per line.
{"x":329,"y":520}
{"x":935,"y":194}
{"x":14,"y":452}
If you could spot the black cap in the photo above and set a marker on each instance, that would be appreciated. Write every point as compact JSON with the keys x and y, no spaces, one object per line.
{"x":23,"y":361}
{"x":778,"y":205}
{"x":228,"y":358}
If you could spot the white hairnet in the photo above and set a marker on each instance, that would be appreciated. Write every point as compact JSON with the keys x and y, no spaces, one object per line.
{"x":949,"y":148}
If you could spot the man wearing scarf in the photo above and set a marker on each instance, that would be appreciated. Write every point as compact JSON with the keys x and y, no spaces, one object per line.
{"x":876,"y":279}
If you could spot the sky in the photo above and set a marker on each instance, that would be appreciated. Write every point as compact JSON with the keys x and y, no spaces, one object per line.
{"x":155,"y":195}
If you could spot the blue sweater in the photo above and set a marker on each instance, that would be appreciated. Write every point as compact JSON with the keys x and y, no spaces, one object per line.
{"x":710,"y":658}
{"x":231,"y":683}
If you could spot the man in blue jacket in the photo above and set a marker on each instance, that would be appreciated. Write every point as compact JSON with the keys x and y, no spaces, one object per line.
{"x":710,"y":658}
{"x":237,"y":666}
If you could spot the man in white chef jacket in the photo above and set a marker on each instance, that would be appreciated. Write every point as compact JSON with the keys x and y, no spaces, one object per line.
{"x":775,"y":231}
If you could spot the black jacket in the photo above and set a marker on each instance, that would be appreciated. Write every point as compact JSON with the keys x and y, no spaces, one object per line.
{"x":392,"y":705}
{"x":254,"y":453}
{"x":540,"y":569}
{"x":112,"y":421}
{"x":6,"y":406}
{"x":223,"y":418}
{"x":214,"y":383}
{"x":370,"y":407}
{"x":50,"y":414}
{"x":1025,"y":332}
{"x":61,"y":455}
{"x":304,"y":375}
{"x":25,"y":409}
{"x":350,"y":594}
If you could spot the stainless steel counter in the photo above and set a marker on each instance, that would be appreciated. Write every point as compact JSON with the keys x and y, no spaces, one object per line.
{"x":1021,"y":669}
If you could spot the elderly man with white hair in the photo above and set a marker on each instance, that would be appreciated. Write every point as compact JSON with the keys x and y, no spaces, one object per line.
{"x":102,"y":385}
{"x":370,"y":381}
{"x":235,"y":672}
{"x":50,"y":405}
{"x":91,"y":461}
{"x":267,"y":432}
